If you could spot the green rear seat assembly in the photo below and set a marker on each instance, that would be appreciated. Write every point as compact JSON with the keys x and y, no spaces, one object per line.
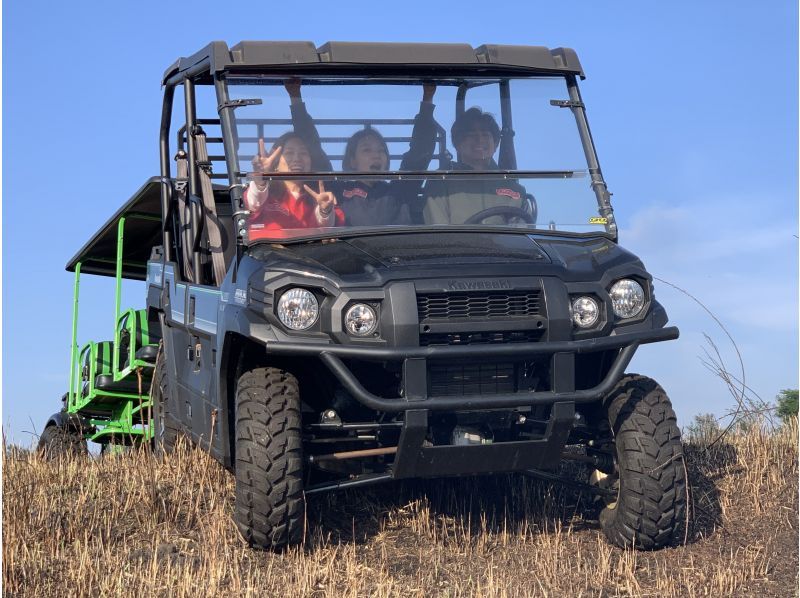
{"x":108,"y":401}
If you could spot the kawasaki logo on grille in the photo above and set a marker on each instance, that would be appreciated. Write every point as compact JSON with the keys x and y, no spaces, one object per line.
{"x":478,"y":285}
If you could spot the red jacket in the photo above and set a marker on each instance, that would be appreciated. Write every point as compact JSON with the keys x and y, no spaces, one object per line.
{"x":282,"y":211}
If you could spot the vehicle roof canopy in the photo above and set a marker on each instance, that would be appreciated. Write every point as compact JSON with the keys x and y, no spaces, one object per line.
{"x":334,"y":56}
{"x":142,"y":214}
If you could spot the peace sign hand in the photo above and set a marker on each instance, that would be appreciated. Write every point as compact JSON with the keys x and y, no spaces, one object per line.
{"x":325,"y":199}
{"x":263,"y":162}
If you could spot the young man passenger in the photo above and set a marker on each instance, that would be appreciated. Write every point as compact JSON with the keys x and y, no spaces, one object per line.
{"x":476,"y":136}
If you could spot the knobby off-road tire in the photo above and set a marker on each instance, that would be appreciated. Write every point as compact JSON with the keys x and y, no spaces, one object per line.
{"x":165,"y":425}
{"x":57,"y":442}
{"x":269,"y":461}
{"x":650,"y":507}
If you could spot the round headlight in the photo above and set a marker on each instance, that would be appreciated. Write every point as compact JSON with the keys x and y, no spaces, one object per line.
{"x":298,"y":309}
{"x":360,"y":320}
{"x":627,"y":298}
{"x":585,"y":312}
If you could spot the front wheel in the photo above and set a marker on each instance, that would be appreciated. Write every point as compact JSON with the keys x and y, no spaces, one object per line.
{"x":269,"y":460}
{"x":58,"y":442}
{"x":649,"y":475}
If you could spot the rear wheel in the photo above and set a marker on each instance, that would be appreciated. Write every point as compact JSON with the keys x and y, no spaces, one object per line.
{"x":649,"y":480}
{"x":269,"y":462}
{"x":57,"y":442}
{"x":165,"y":424}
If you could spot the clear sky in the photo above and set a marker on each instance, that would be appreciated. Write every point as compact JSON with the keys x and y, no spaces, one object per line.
{"x":693,"y":107}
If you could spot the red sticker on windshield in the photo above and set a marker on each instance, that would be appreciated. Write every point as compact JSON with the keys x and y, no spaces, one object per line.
{"x":508,"y":192}
{"x":356,"y":191}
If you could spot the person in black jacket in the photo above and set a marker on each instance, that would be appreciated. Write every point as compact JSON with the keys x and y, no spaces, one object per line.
{"x":372,"y":202}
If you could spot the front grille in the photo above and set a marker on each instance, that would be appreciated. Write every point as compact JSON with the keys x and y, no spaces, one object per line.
{"x":485,"y":306}
{"x":471,"y":379}
{"x":479,"y":338}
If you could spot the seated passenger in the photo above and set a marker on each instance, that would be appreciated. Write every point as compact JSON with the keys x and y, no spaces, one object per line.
{"x":475,"y":136}
{"x":287,"y":204}
{"x":372,"y":202}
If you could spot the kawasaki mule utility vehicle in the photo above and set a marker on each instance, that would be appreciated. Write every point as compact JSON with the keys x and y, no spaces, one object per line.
{"x":370,"y":262}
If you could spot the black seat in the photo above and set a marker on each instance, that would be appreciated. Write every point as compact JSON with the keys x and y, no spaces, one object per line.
{"x":128,"y":385}
{"x":147,"y":353}
{"x":144,"y":335}
{"x":102,"y":363}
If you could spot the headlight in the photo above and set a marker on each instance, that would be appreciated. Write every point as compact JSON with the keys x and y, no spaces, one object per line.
{"x":585,"y":312}
{"x":360,"y":320}
{"x":627,"y":298}
{"x":298,"y":309}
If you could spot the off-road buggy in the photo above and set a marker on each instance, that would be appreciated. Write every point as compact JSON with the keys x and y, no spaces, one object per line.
{"x":315,"y":358}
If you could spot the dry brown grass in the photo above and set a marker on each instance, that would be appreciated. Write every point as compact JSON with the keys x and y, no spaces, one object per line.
{"x":137,"y":525}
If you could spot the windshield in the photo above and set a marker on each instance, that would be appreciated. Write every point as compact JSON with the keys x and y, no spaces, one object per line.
{"x":331,"y":155}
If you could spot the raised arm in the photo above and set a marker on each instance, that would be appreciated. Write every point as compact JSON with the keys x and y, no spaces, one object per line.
{"x":304,"y":126}
{"x":423,"y":136}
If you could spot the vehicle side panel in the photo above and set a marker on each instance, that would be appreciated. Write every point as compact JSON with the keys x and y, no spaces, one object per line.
{"x":189,"y":332}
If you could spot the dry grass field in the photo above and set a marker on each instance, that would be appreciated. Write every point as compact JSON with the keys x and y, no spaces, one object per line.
{"x":136,"y":525}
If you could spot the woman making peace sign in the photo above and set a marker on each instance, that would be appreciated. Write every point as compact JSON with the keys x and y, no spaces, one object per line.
{"x":287,"y":204}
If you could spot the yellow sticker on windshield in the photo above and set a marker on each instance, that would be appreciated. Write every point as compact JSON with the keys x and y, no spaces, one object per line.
{"x":598,"y":220}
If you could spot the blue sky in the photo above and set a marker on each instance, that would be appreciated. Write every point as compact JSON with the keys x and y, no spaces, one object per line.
{"x":693,"y":107}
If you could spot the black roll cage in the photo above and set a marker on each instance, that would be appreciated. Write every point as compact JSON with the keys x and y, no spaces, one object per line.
{"x":207,"y":70}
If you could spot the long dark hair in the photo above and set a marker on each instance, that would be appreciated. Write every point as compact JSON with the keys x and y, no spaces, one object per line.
{"x":352,"y":145}
{"x":281,"y":141}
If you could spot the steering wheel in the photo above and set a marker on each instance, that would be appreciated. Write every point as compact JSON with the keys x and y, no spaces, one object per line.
{"x":508,"y":211}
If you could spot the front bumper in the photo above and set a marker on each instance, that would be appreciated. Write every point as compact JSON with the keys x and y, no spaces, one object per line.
{"x":416,"y":460}
{"x":415,"y":360}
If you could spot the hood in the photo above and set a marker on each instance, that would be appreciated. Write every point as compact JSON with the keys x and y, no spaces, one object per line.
{"x":378,"y":258}
{"x":449,"y":249}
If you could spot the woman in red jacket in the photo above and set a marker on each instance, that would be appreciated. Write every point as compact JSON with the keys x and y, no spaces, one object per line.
{"x":283,"y":205}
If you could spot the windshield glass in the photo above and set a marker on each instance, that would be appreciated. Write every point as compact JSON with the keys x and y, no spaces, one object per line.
{"x":317,"y":154}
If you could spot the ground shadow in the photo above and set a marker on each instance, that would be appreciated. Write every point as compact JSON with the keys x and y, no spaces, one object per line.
{"x":475,"y":504}
{"x":706,"y":467}
{"x":503,"y":503}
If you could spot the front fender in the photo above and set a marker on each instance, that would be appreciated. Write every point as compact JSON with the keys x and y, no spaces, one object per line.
{"x":63,"y":419}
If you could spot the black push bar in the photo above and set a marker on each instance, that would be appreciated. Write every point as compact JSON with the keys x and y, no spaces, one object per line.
{"x":331,"y":356}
